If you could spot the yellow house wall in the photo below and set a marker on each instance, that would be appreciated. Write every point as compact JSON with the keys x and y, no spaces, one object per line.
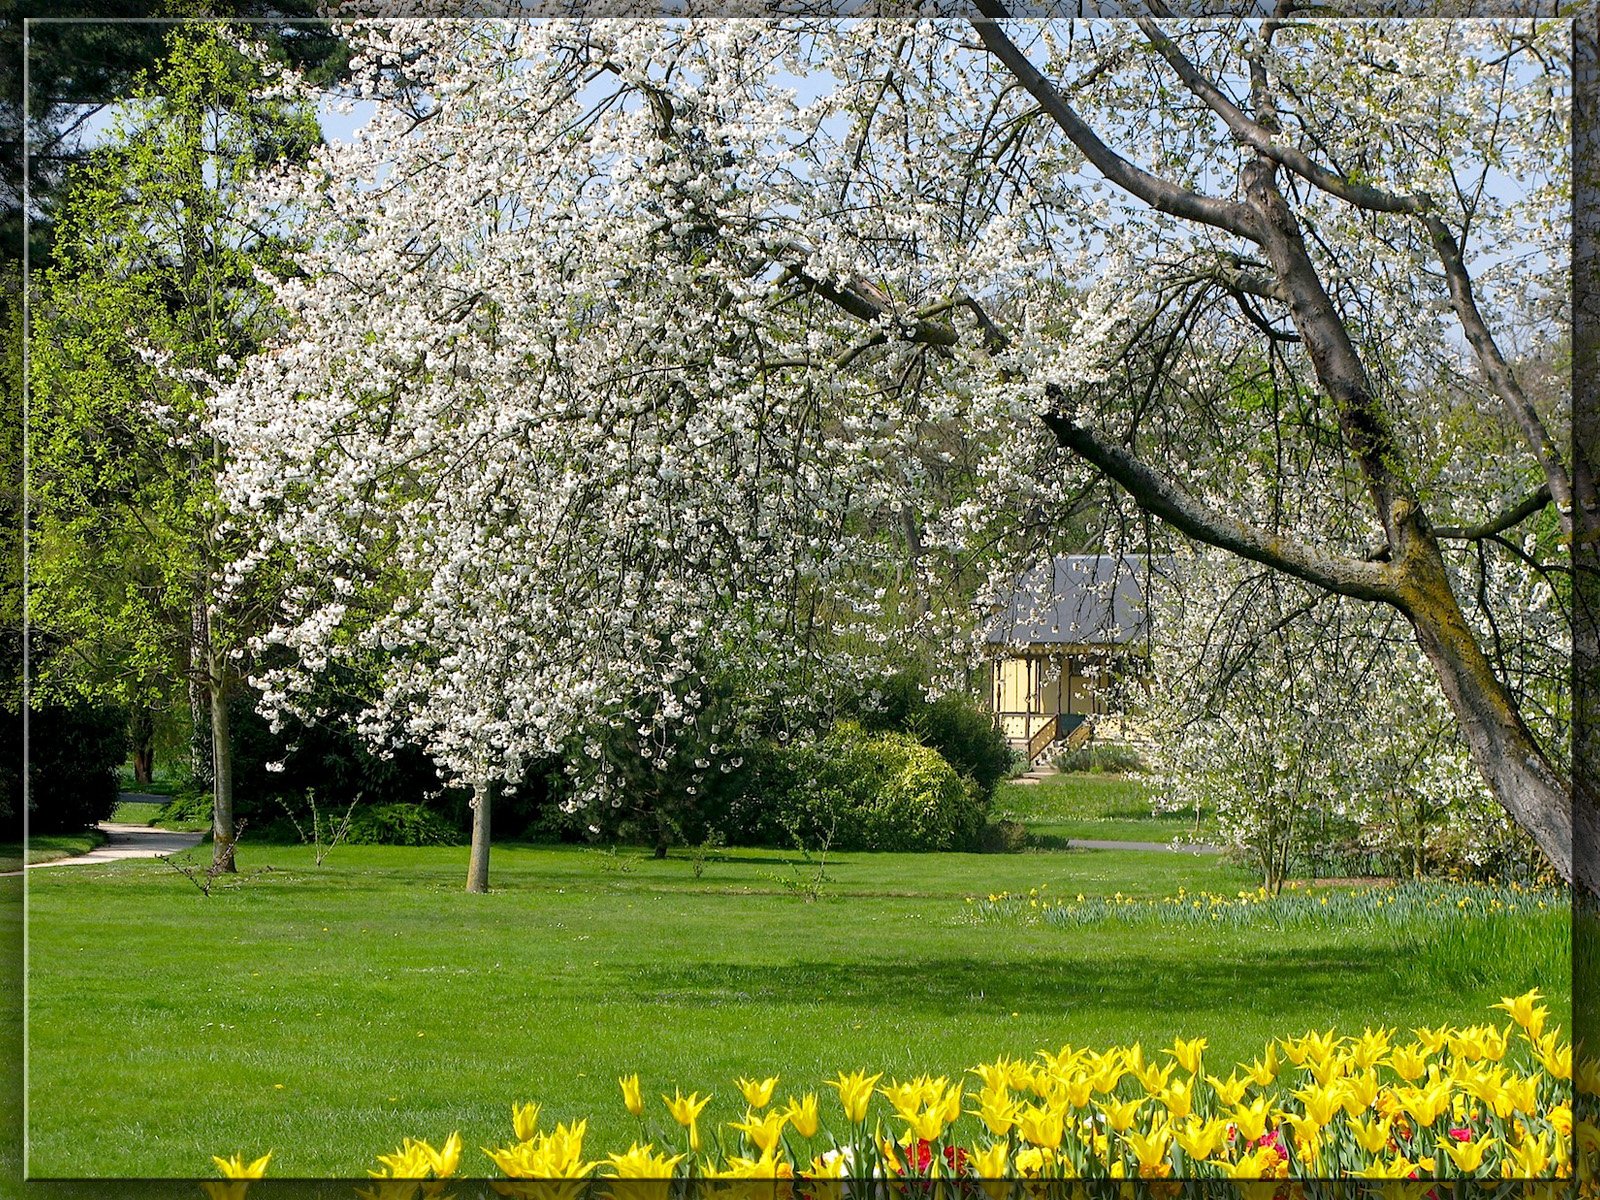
{"x":1054,"y":683}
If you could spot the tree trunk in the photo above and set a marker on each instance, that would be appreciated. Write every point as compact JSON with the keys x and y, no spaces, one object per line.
{"x":142,"y":733}
{"x":478,"y":863}
{"x":663,"y":832}
{"x":1511,"y":762}
{"x":223,"y":831}
{"x":199,"y":700}
{"x":1509,"y":759}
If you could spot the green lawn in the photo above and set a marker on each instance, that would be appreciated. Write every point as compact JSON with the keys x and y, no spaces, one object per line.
{"x":1096,"y":807}
{"x":137,"y":812}
{"x":324,"y":1013}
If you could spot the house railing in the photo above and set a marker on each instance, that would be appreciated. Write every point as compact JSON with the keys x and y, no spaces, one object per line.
{"x":1043,"y":736}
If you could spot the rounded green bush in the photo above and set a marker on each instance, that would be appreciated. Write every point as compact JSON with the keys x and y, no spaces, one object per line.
{"x":854,"y":790}
{"x":400,"y":825}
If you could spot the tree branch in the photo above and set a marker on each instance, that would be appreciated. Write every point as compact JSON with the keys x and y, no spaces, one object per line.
{"x":1512,"y":516}
{"x":1160,"y":194}
{"x":1160,"y":496}
{"x":1499,"y":374}
{"x":1249,"y":132}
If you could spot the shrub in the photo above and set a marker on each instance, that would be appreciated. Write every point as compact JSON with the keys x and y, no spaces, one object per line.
{"x":953,"y":725}
{"x":1109,"y":759}
{"x":401,"y":825}
{"x":74,"y":753}
{"x":187,"y":805}
{"x":1003,"y":837}
{"x":855,"y":790}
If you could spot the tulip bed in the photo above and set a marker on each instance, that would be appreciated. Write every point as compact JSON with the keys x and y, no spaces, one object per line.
{"x":1490,"y":1101}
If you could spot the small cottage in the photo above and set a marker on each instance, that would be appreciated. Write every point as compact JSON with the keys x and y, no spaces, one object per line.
{"x":1070,"y":628}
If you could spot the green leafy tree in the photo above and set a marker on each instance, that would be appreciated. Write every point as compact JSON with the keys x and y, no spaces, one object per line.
{"x":152,"y":294}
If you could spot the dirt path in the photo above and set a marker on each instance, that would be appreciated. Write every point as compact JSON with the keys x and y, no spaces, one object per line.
{"x":126,"y":841}
{"x":1181,"y":848}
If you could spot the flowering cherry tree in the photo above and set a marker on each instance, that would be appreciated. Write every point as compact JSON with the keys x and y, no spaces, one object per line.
{"x":1280,"y":708}
{"x":626,"y":346}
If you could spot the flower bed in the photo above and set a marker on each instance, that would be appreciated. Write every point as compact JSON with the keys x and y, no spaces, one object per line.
{"x":1491,"y":1101}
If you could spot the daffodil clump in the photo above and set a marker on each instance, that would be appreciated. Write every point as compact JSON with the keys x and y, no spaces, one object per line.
{"x":1297,"y":906}
{"x":1489,"y":1102}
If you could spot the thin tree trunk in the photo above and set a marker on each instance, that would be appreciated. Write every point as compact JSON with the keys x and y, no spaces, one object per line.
{"x":223,"y":830}
{"x":199,"y":700}
{"x":478,"y":863}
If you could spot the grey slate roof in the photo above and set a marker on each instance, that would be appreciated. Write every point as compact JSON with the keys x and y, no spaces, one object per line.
{"x":1076,"y":599}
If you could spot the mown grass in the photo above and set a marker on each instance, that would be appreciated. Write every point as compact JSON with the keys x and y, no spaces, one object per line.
{"x":324,"y":1013}
{"x":1094,"y":807}
{"x":137,"y":812}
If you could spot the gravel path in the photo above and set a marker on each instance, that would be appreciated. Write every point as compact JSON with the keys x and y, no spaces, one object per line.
{"x":126,"y":841}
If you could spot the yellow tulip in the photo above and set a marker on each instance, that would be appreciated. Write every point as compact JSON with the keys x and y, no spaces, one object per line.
{"x":445,"y":1160}
{"x":1307,"y":1135}
{"x":950,"y":1106}
{"x":1265,"y":1069}
{"x":1432,"y":1040}
{"x":1077,"y":1090}
{"x":757,"y":1095}
{"x":1151,"y":1150}
{"x":926,"y":1123}
{"x":1187,"y":1053}
{"x":855,"y":1092}
{"x":1426,"y":1104}
{"x":1318,"y":1046}
{"x":904,"y":1097}
{"x":997,"y":1111}
{"x":1373,"y":1134}
{"x":832,"y":1165}
{"x":1527,"y":1161}
{"x":631,"y":1099}
{"x":1560,"y":1118}
{"x":525,"y":1120}
{"x":641,"y":1162}
{"x":764,"y":1132}
{"x":1201,"y":1139}
{"x":1358,"y":1092}
{"x":1041,"y":1127}
{"x":1558,"y":1061}
{"x":1371,"y":1047}
{"x":234,"y":1166}
{"x":1231,"y":1091}
{"x":1155,"y":1077}
{"x":1252,"y":1118}
{"x":1321,"y":1103}
{"x":989,"y":1163}
{"x":803,"y":1115}
{"x":765,"y":1167}
{"x":1033,"y":1161}
{"x":1468,"y":1156}
{"x":1410,"y":1062}
{"x":1521,"y":1007}
{"x":1120,"y":1113}
{"x":1178,"y":1098}
{"x":995,"y":1075}
{"x":1522,"y":1094}
{"x":686,"y":1111}
{"x":411,"y":1161}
